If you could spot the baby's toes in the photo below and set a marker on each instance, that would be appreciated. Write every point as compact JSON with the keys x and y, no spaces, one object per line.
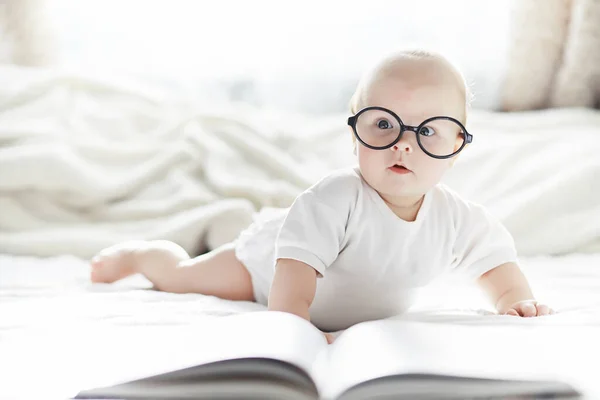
{"x":97,"y":260}
{"x":543,"y":309}
{"x":529,"y":310}
{"x":98,"y":271}
{"x":110,"y":265}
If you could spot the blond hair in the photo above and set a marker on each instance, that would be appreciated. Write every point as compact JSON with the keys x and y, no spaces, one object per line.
{"x":390,"y":61}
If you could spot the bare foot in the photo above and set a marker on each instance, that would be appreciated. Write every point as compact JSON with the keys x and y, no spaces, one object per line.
{"x":116,"y":262}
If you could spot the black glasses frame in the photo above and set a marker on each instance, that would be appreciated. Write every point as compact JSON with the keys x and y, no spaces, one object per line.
{"x":403,"y":128}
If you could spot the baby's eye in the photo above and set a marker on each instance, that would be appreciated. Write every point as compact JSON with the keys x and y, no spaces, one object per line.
{"x":384,"y":124}
{"x":426,"y":131}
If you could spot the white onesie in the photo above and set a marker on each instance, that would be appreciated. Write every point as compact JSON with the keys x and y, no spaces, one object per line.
{"x":369,"y":260}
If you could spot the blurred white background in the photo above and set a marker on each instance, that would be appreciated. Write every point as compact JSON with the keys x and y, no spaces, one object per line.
{"x":286,"y":55}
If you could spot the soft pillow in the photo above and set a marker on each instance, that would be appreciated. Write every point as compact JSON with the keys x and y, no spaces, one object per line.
{"x":578,"y":77}
{"x":539,"y":29}
{"x":25,"y":34}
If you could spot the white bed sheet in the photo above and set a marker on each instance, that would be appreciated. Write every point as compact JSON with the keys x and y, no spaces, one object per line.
{"x":66,"y":188}
{"x":59,"y":332}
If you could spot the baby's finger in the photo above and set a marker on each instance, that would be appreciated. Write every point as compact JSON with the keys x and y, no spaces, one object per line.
{"x":543,"y":309}
{"x":513,"y":312}
{"x":528,"y":310}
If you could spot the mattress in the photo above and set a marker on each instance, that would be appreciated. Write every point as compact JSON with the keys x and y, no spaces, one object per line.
{"x":60,"y":333}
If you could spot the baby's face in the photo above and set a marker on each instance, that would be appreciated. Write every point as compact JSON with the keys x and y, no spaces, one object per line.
{"x":414,"y":93}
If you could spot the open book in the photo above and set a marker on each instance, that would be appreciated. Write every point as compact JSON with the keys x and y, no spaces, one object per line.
{"x":275,"y":355}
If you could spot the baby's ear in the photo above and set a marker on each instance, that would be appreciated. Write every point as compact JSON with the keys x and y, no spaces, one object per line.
{"x":456,"y":156}
{"x":453,"y":160}
{"x":353,"y":140}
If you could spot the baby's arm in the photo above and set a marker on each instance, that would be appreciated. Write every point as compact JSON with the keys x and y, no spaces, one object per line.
{"x":509,"y":290}
{"x":293,"y":289}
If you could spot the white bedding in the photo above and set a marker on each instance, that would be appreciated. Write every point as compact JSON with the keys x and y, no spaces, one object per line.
{"x":63,"y":333}
{"x":85,"y":163}
{"x":88,"y":162}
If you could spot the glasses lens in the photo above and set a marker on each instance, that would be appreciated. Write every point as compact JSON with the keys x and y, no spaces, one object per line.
{"x":377,"y":128}
{"x":441,"y":137}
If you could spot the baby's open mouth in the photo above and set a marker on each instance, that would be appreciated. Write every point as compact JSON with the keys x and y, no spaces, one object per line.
{"x":400,"y":169}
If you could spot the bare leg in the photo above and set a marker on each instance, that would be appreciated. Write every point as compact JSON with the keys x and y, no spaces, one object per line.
{"x":170,"y":269}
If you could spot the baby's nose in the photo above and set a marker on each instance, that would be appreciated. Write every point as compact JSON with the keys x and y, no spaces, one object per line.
{"x":403,"y":145}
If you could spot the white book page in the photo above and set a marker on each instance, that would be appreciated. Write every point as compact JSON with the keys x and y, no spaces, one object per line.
{"x":268,"y":334}
{"x":388,"y":347}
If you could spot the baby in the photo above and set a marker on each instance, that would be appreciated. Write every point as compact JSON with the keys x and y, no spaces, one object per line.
{"x":358,"y":244}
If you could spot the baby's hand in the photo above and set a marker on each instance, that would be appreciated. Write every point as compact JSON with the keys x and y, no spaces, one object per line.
{"x":529,"y":308}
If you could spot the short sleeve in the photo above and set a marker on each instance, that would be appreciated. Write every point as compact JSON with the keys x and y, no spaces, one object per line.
{"x":315,"y":226}
{"x":482,"y":242}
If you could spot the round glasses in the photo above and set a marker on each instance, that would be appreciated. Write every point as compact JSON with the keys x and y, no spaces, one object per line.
{"x":379,"y":128}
